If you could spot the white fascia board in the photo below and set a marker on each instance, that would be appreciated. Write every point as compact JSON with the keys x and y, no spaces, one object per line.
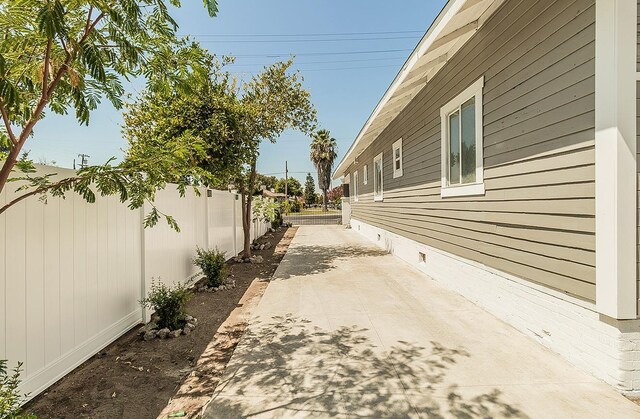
{"x":448,"y":12}
{"x":615,"y":158}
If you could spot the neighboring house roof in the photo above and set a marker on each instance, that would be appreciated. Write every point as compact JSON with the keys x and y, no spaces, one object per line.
{"x":268,"y":194}
{"x":455,"y":25}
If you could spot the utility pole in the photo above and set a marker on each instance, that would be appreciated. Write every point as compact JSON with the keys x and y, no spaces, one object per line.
{"x":286,"y":179}
{"x":84,"y":160}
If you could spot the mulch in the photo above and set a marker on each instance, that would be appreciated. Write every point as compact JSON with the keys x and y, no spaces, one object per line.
{"x":132,"y":378}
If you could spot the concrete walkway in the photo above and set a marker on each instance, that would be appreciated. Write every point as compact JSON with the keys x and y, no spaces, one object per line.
{"x":345,"y":330}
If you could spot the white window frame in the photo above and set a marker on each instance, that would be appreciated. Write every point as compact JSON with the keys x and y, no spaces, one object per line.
{"x":469,"y":189}
{"x":365,"y":177}
{"x":397,"y":146}
{"x":355,"y":186}
{"x":380,"y":196}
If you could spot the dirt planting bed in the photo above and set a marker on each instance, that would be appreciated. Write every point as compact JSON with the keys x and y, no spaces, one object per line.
{"x":132,"y":378}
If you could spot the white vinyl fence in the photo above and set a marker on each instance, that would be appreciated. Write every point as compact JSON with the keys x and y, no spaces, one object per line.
{"x":72,"y":273}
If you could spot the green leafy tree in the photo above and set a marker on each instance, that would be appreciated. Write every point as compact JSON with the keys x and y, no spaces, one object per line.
{"x":269,"y":182}
{"x":324,"y":151}
{"x":275,"y":101}
{"x":220,"y":126}
{"x":294,"y":188}
{"x":67,"y":56}
{"x":310,"y":190}
{"x":204,"y":122}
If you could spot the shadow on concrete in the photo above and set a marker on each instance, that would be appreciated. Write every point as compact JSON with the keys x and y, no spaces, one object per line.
{"x":319,"y":259}
{"x":288,"y":367}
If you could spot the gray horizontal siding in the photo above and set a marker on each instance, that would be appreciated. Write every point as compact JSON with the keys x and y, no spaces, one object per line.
{"x":536,"y":219}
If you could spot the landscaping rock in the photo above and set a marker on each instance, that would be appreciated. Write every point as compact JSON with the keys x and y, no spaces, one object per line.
{"x":188,"y":328}
{"x":188,"y":318}
{"x":256,"y":259}
{"x":150,"y":335}
{"x":164,"y":333}
{"x":147,"y":328}
{"x":175,"y":333}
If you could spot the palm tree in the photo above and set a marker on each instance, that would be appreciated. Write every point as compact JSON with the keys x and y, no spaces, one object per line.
{"x":323,"y":155}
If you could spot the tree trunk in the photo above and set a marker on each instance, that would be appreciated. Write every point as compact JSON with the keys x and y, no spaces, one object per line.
{"x":246,"y":249}
{"x":247,"y":199}
{"x":324,"y":200}
{"x":9,"y":164}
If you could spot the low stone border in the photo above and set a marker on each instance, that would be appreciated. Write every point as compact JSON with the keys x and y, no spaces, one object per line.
{"x":150,"y":330}
{"x":252,"y":259}
{"x":228,"y":285}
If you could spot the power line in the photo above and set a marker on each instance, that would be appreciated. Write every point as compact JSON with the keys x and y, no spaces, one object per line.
{"x":289,"y":54}
{"x":348,"y":68}
{"x":327,"y":62}
{"x":304,"y":40}
{"x":305,"y":34}
{"x":306,"y":70}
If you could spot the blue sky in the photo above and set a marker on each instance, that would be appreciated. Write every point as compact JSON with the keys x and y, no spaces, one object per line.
{"x":345,"y":78}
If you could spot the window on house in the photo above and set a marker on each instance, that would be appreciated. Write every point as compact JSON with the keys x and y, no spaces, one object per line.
{"x":355,"y":186}
{"x":397,"y":158}
{"x":461,"y":125}
{"x":377,"y":178}
{"x":365,"y":175}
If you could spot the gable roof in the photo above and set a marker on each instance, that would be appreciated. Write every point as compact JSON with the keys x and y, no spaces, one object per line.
{"x":458,"y":21}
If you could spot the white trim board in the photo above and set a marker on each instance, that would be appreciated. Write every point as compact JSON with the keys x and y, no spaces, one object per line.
{"x":615,"y":158}
{"x":566,"y":325}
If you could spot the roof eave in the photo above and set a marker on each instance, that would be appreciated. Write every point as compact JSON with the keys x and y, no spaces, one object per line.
{"x":432,"y":41}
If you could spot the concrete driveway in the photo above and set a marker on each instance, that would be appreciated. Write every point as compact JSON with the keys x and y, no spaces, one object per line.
{"x":345,"y":330}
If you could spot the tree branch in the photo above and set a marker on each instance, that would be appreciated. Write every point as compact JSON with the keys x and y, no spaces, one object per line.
{"x":37,"y":191}
{"x":46,"y":72}
{"x":7,"y":122}
{"x":86,"y":26}
{"x":91,"y":27}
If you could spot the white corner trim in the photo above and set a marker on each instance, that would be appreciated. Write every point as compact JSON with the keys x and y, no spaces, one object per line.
{"x":615,"y":158}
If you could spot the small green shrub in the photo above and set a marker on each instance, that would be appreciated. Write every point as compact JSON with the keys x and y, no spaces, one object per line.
{"x":169,"y":303}
{"x":10,"y":399}
{"x":296,"y":206}
{"x":265,"y":209}
{"x":213,"y":264}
